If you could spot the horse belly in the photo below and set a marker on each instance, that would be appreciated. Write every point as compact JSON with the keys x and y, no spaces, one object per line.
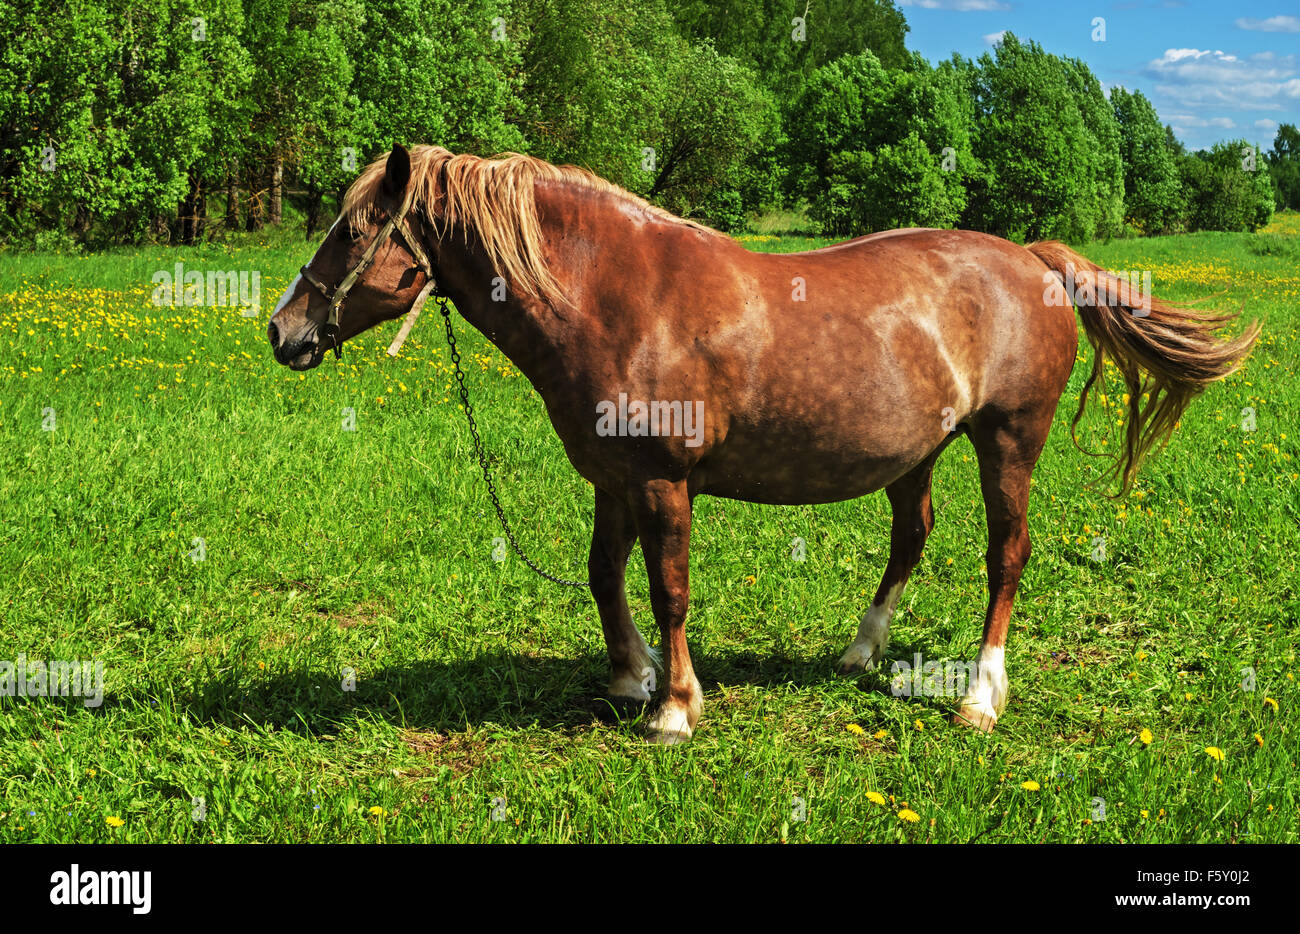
{"x":797,"y":471}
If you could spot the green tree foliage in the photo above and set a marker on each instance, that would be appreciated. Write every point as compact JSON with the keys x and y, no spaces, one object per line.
{"x":783,"y":41}
{"x":1153,"y":196}
{"x":1050,"y":144}
{"x":613,"y":86}
{"x":875,"y":149}
{"x":1284,"y":167}
{"x":1228,"y":188}
{"x":108,"y":109}
{"x":123,"y":120}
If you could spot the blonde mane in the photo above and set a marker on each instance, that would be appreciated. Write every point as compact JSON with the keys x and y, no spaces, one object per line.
{"x":494,"y":198}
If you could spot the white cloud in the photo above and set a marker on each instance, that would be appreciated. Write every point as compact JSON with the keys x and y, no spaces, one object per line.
{"x":958,"y":6}
{"x":1195,"y":78}
{"x":994,"y":38}
{"x":1272,"y":24}
{"x":1265,"y":124}
{"x":1193,"y":122}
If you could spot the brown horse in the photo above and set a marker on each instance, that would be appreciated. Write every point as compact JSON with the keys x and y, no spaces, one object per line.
{"x":674,"y":362}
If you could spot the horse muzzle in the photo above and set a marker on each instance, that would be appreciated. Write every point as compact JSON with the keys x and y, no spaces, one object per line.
{"x":300,"y":351}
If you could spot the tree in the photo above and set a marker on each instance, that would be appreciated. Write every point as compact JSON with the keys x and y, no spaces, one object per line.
{"x":1284,"y":167}
{"x":784,"y":41}
{"x":611,"y":85}
{"x":874,"y":149}
{"x":1228,"y":188}
{"x":1153,"y":195}
{"x":1050,"y":143}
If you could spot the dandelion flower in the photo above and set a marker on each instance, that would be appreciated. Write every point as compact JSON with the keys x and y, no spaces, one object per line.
{"x":876,"y":797}
{"x":881,"y":734}
{"x":1146,"y":737}
{"x":1269,"y":702}
{"x":1259,"y":740}
{"x":378,"y":811}
{"x":919,"y":725}
{"x":1029,"y":785}
{"x":1214,"y":752}
{"x":855,"y":729}
{"x":114,"y":821}
{"x":909,"y":815}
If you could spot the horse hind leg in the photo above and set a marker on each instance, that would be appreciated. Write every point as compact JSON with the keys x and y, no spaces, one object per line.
{"x":1007,"y":450}
{"x":913,"y":519}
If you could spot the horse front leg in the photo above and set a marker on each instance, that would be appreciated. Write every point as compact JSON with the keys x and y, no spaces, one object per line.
{"x":632,"y":663}
{"x":663,"y":520}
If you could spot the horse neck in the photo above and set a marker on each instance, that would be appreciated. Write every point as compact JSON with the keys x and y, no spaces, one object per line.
{"x":531,"y":333}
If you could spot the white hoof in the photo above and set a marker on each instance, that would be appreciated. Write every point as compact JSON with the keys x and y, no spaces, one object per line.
{"x":640,"y":680}
{"x":868,"y":649}
{"x":669,"y":726}
{"x":986,"y":695}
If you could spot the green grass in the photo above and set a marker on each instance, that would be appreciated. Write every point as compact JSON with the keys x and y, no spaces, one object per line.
{"x":371,"y":549}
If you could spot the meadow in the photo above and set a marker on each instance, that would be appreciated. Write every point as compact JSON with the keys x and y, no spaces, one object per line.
{"x":290,"y":581}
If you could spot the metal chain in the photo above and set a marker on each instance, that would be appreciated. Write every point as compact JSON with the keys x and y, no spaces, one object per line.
{"x":482,"y":458}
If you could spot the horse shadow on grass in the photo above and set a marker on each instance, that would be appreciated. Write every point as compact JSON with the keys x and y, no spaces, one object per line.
{"x":499,"y":688}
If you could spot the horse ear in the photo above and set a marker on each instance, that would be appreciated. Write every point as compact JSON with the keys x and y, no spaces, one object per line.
{"x":397,"y":171}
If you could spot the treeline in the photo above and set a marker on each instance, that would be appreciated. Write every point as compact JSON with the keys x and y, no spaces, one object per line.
{"x":173,"y":120}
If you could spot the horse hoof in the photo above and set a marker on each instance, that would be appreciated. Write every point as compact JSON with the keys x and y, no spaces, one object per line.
{"x":856,"y":660}
{"x":667,"y":737}
{"x":982,"y":720}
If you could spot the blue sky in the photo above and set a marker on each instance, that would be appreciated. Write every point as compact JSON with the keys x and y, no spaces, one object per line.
{"x":1213,"y":70}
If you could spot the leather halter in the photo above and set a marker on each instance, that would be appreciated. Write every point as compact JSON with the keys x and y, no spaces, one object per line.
{"x":336,"y":296}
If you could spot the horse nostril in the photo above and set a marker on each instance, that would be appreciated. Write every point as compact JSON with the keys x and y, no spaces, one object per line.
{"x":273,"y":333}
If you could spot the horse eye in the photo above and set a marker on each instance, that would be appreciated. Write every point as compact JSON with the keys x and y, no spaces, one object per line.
{"x":350,"y":233}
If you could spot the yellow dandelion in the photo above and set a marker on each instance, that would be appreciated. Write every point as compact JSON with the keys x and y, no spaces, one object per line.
{"x":1214,"y":752}
{"x":909,"y":815}
{"x":1146,"y":737}
{"x":1269,"y":702}
{"x":1029,"y":785}
{"x":114,"y":821}
{"x":1145,"y":813}
{"x":855,"y":729}
{"x":919,"y":725}
{"x":1259,"y":740}
{"x":377,"y":811}
{"x":881,"y":734}
{"x":876,"y":797}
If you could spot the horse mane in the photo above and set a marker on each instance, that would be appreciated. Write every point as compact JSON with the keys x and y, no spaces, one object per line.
{"x":494,"y":198}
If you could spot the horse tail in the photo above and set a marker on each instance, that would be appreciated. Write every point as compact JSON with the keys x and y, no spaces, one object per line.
{"x":1165,"y":353}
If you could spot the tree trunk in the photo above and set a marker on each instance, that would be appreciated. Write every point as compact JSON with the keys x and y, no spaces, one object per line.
{"x":187,"y":212}
{"x":315,"y":200}
{"x":81,"y":223}
{"x":277,"y":189}
{"x":232,"y":199}
{"x":254,"y":219}
{"x":201,"y":221}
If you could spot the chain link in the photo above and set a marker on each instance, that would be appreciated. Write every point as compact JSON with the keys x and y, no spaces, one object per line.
{"x":482,"y":458}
